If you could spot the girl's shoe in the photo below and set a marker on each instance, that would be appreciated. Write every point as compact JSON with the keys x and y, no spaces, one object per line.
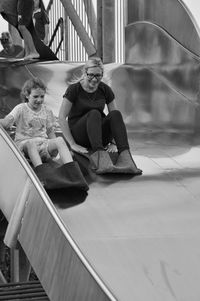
{"x":68,"y":175}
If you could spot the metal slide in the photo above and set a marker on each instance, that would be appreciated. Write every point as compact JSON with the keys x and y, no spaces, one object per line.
{"x":133,"y":238}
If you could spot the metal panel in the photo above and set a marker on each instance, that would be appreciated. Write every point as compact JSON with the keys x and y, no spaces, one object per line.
{"x":63,"y":272}
{"x":172,"y":15}
{"x":62,"y":269}
{"x":149,"y":46}
{"x":158,"y":87}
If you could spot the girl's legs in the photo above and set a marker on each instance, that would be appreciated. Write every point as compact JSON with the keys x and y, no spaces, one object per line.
{"x":30,"y":149}
{"x":65,"y":176}
{"x":59,"y":144}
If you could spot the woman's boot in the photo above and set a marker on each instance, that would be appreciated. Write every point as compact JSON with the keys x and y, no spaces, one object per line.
{"x":125,"y":164}
{"x":101,"y":162}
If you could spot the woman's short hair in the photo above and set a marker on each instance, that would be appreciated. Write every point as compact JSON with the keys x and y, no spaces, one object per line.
{"x":33,"y":83}
{"x":92,"y":63}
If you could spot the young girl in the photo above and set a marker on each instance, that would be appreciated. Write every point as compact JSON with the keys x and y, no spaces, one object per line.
{"x":35,"y":134}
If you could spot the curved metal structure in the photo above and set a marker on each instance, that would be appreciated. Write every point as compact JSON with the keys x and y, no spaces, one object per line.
{"x":63,"y":270}
{"x":133,"y":238}
{"x":129,"y":230}
{"x":171,"y":15}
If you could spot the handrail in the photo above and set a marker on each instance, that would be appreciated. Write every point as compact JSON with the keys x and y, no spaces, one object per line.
{"x":58,"y":25}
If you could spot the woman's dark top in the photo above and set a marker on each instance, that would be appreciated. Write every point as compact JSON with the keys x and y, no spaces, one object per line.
{"x":83,"y":101}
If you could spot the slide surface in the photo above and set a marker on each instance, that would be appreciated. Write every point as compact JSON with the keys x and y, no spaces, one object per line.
{"x":132,"y":238}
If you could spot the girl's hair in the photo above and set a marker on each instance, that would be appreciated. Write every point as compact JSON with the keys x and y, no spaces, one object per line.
{"x":30,"y":84}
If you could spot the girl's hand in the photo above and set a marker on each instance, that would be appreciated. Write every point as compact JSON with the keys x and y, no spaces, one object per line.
{"x":79,"y":149}
{"x":112,"y":148}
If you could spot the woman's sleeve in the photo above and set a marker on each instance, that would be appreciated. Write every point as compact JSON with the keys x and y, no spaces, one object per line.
{"x":109,"y":94}
{"x":71,"y":93}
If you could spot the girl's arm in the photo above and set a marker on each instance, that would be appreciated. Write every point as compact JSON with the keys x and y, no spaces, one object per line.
{"x":63,"y":114}
{"x":7,"y":121}
{"x":50,"y":133}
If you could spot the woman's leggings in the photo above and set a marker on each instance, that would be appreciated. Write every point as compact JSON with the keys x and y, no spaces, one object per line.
{"x":95,"y":131}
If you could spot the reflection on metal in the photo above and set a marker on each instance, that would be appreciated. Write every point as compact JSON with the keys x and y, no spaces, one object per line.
{"x":171,"y":15}
{"x":158,"y":87}
{"x":150,"y":104}
{"x":149,"y":46}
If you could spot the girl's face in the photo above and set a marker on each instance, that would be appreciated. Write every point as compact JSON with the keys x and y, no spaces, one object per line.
{"x":36,"y":99}
{"x":93,"y":77}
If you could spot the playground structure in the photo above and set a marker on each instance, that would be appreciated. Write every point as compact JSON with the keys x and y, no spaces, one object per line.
{"x":132,"y":238}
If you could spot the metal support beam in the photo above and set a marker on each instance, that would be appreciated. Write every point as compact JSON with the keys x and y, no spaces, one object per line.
{"x":92,"y":20}
{"x":108,"y":17}
{"x":82,"y":33}
{"x":66,"y":37}
{"x":99,"y":29}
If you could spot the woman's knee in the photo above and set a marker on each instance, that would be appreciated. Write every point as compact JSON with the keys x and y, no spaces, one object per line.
{"x":115,"y":114}
{"x":94,"y":114}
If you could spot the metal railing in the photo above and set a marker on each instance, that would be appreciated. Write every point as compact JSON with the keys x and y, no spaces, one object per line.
{"x":71,"y":48}
{"x":56,"y":13}
{"x":59,"y":26}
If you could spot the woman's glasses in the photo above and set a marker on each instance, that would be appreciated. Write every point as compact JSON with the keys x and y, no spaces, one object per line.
{"x":92,"y":75}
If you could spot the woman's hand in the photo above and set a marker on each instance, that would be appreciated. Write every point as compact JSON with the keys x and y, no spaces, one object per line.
{"x":79,"y":149}
{"x":112,"y":148}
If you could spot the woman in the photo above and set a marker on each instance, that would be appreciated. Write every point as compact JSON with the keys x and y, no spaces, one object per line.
{"x":88,"y":127}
